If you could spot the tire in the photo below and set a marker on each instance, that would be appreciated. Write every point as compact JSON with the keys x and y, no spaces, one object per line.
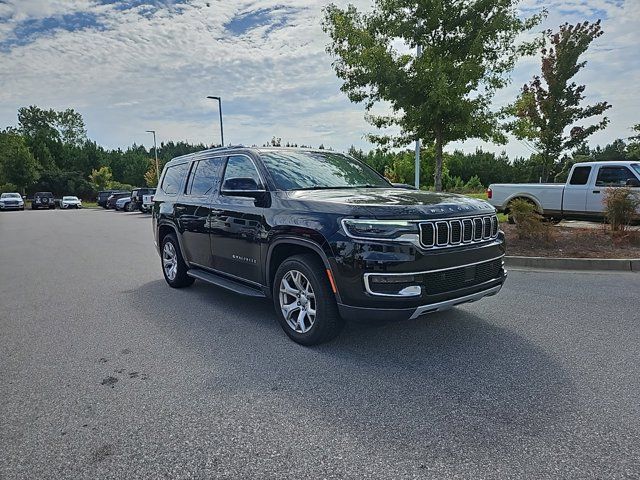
{"x":175,"y":273}
{"x":301,"y":272}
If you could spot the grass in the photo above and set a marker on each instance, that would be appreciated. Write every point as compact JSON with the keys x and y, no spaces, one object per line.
{"x":89,"y":205}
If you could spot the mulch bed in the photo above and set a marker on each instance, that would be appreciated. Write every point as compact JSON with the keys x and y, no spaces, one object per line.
{"x":574,"y":243}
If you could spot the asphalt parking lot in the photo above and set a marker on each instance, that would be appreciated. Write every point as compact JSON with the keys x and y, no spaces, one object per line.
{"x":106,"y":372}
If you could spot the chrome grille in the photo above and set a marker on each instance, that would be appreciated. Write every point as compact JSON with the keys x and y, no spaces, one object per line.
{"x":457,"y":231}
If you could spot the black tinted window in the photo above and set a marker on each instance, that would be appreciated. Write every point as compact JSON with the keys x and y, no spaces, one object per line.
{"x":172,"y":179}
{"x":203,"y":177}
{"x":580,"y":176}
{"x":613,"y":176}
{"x":241,"y":174}
{"x":296,"y":170}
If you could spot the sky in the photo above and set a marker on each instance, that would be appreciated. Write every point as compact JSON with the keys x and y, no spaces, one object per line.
{"x":134,"y":65}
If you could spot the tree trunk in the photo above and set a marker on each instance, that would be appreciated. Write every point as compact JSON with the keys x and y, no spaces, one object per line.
{"x":437,"y":175}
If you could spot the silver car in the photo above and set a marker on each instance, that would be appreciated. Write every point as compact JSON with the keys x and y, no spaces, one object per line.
{"x":11,"y":201}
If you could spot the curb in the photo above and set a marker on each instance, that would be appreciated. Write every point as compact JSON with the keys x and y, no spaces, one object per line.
{"x":611,"y":264}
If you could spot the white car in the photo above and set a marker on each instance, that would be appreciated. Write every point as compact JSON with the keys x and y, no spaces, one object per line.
{"x":11,"y":201}
{"x":580,"y":197}
{"x":70,"y":202}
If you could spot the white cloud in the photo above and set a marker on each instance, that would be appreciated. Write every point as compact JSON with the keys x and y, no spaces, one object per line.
{"x":155,"y":70}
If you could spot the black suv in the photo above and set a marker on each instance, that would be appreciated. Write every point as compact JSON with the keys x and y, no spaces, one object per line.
{"x":114,"y":197}
{"x":323,"y":235}
{"x":43,"y":200}
{"x":137,"y":196}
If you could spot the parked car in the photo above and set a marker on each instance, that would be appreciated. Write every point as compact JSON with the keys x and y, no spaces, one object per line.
{"x":580,"y":197}
{"x":147,"y":202}
{"x":103,"y":196}
{"x":11,"y":201}
{"x":137,"y":197}
{"x":324,"y":236}
{"x":43,"y":200}
{"x":70,"y":202}
{"x":111,"y":201}
{"x":123,"y":204}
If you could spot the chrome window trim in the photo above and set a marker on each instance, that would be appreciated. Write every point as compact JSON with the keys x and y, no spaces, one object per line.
{"x":407,"y":274}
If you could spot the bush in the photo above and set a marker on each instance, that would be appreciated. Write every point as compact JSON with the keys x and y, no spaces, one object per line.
{"x":621,"y":206}
{"x":529,"y":223}
{"x":474,"y":185}
{"x":9,"y":188}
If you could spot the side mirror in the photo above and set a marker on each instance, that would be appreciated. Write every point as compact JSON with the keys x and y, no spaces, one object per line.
{"x":242,"y":187}
{"x":633,"y":182}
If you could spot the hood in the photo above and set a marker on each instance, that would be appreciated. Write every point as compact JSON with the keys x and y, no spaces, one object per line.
{"x":390,"y":202}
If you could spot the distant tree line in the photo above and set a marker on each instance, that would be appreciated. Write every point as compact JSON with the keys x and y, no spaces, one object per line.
{"x":49,"y":151}
{"x":472,"y":172}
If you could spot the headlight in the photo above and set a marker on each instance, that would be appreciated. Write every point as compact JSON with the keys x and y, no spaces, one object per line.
{"x":380,"y":229}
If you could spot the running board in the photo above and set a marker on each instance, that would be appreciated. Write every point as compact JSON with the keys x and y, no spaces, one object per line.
{"x":225,"y":282}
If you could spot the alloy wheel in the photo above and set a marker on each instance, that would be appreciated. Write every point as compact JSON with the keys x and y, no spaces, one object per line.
{"x":297,"y":301}
{"x":170,"y":261}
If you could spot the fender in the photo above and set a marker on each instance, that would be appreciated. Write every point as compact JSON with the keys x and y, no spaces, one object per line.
{"x":297,"y":241}
{"x":528,"y":196}
{"x":178,"y":237}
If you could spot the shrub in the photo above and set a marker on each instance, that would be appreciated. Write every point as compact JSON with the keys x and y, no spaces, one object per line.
{"x":474,"y":185}
{"x":9,"y":188}
{"x":529,"y":223}
{"x":621,"y":206}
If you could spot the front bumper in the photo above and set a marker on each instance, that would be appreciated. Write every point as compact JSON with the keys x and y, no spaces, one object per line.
{"x":459,"y":297}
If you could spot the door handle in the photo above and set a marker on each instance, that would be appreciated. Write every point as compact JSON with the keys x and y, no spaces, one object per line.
{"x":596,"y":191}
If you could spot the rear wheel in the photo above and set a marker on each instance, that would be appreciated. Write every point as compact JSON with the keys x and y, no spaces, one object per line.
{"x":173,"y":266}
{"x":304,"y":302}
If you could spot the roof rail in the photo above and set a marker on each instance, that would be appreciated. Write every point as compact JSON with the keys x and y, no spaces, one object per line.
{"x":225,"y":147}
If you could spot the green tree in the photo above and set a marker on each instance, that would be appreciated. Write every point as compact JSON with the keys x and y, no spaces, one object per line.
{"x":548,"y":108}
{"x":151,"y":176}
{"x":17,"y":163}
{"x":468,"y":48}
{"x":101,"y":178}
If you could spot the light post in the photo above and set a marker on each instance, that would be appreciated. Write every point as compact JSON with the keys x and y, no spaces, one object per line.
{"x":155,"y":150}
{"x":417,"y":169}
{"x":220,"y":110}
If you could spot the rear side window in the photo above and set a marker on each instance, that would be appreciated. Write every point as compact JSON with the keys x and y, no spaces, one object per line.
{"x":172,"y":179}
{"x":613,"y":176}
{"x":204,"y":176}
{"x":580,"y":176}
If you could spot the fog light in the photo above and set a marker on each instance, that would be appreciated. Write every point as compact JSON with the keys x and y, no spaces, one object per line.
{"x":393,"y":285}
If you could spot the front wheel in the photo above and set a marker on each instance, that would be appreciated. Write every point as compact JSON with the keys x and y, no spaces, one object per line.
{"x":304,"y":302}
{"x":173,"y":266}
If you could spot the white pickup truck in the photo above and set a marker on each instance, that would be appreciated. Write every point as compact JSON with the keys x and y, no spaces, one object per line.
{"x":580,"y":197}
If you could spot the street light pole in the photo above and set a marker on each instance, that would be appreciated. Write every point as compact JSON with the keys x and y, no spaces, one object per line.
{"x":220,"y":110}
{"x":155,"y":150}
{"x":417,"y":169}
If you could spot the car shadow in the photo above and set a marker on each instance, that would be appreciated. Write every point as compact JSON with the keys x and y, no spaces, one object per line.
{"x":456,"y":371}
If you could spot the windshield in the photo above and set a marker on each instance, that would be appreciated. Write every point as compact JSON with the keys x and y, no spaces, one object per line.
{"x":69,"y":198}
{"x":10,"y":195}
{"x":297,"y":170}
{"x":636,"y":167}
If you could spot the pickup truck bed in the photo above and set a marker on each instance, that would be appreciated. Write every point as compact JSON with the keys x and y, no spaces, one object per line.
{"x":581,"y":197}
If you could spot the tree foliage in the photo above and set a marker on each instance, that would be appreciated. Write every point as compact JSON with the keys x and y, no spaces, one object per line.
{"x":16,"y":161}
{"x":468,"y":48}
{"x":548,"y":108}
